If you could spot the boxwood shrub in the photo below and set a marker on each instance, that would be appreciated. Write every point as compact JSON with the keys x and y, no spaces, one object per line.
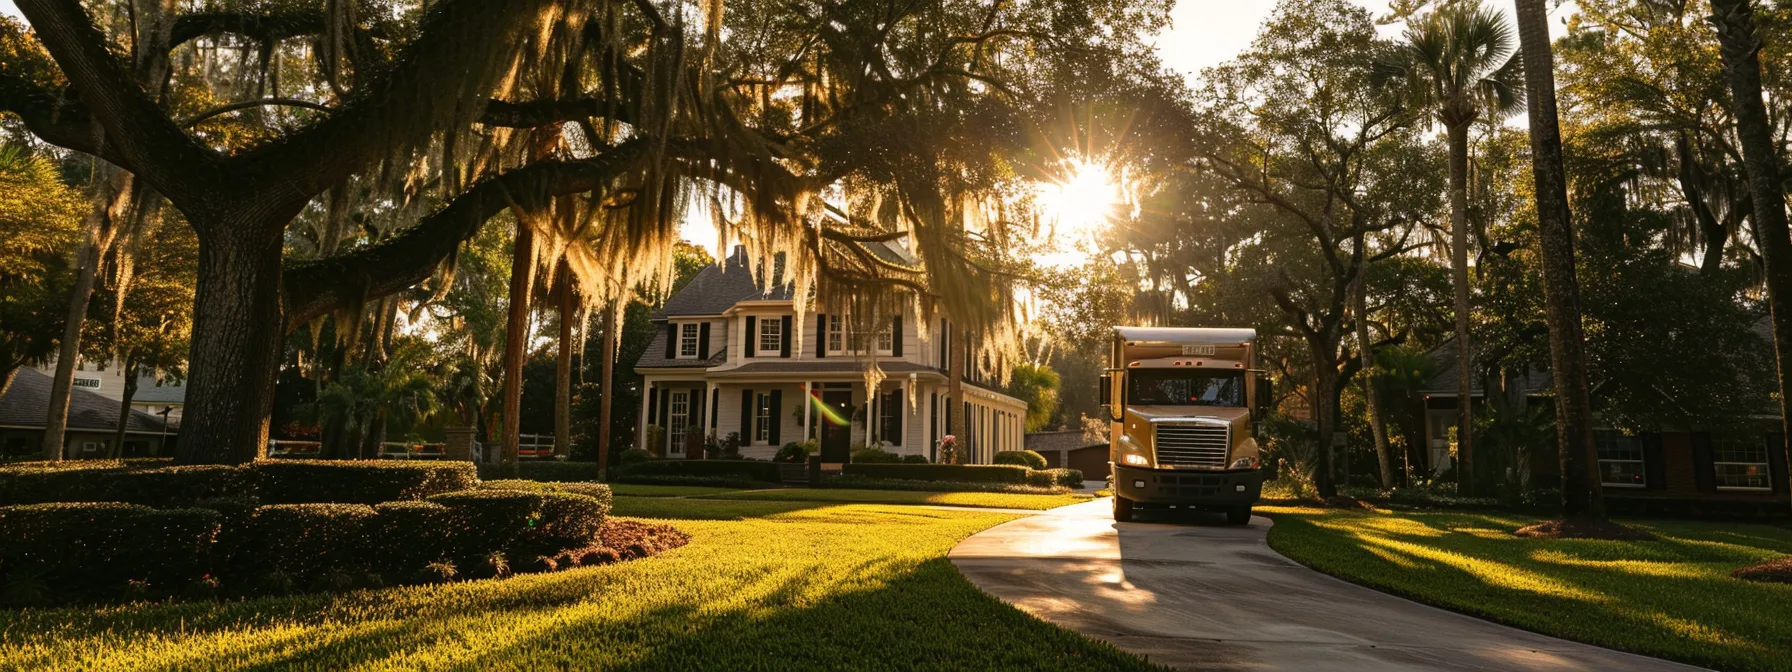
{"x":173,"y":486}
{"x":1069,"y":478}
{"x":520,"y":523}
{"x":968,"y":473}
{"x":1025,"y":458}
{"x":97,"y":547}
{"x":597,"y":491}
{"x":751,"y":470}
{"x":69,"y":481}
{"x":307,"y":541}
{"x":411,"y":535}
{"x":358,"y":481}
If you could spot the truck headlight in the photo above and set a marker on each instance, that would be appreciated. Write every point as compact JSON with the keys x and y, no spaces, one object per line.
{"x":1134,"y":460}
{"x":1245,"y":462}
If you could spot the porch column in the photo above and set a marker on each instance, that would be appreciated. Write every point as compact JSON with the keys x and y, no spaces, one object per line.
{"x":646,"y":418}
{"x":808,"y":408}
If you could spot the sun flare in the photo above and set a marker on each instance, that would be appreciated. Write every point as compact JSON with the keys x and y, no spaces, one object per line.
{"x":1075,"y":209}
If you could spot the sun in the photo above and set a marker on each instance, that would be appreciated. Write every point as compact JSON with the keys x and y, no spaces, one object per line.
{"x":1077,"y":206}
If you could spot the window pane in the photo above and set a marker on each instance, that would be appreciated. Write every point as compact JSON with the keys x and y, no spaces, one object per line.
{"x":762,"y":418}
{"x":836,"y":334}
{"x":1621,"y":472}
{"x":1184,"y":387}
{"x":771,"y":334}
{"x":681,"y":418}
{"x":687,"y":340}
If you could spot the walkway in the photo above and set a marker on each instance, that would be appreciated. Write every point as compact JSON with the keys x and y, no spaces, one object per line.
{"x":1202,"y":596}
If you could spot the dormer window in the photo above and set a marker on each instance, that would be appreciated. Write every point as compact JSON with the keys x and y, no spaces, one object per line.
{"x":687,"y":340}
{"x":771,"y":335}
{"x":886,"y":340}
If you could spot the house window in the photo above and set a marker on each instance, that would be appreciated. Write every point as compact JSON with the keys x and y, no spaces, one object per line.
{"x":1741,"y":464}
{"x":771,"y":335}
{"x":762,"y":418}
{"x":886,"y":340}
{"x":687,"y":341}
{"x":681,"y":419}
{"x":889,"y":427}
{"x":836,"y":334}
{"x":1620,"y":459}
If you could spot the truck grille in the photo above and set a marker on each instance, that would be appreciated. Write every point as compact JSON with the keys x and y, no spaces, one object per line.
{"x":1193,"y":444}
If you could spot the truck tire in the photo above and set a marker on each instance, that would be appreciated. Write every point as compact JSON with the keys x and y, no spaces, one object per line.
{"x":1238,"y":515}
{"x":1122,"y":509}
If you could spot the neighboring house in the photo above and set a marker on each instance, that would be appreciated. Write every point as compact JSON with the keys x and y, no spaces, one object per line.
{"x":92,"y":423}
{"x":726,"y":359}
{"x":154,"y":395}
{"x":1071,"y":449}
{"x":1739,"y":468}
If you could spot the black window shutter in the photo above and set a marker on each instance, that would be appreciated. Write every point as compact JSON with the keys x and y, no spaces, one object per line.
{"x":821,"y":335}
{"x":666,"y":410}
{"x":1776,"y":461}
{"x":653,"y":407}
{"x":944,"y":347}
{"x":698,"y":409}
{"x":896,"y":399}
{"x":746,"y":417}
{"x":751,"y":341}
{"x":703,"y":341}
{"x":1702,"y":469}
{"x":896,"y":336}
{"x":671,"y":340}
{"x":933,"y":428}
{"x":715,"y":406}
{"x":1655,"y":472}
{"x":784,"y":340}
{"x":777,"y":419}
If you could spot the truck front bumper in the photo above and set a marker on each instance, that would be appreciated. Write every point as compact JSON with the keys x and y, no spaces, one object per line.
{"x":1188,"y":487}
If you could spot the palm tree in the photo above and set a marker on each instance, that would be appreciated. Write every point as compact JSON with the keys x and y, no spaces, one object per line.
{"x":1457,"y":64}
{"x":1735,"y":25}
{"x":1581,"y":494}
{"x":367,"y":401}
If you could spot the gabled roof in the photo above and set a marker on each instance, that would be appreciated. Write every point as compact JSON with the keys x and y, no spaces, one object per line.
{"x":27,"y":402}
{"x":717,"y":288}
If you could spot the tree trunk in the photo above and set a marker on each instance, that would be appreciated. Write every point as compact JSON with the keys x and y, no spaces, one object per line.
{"x":956,"y":352}
{"x":6,"y":379}
{"x":62,"y":386}
{"x":1734,"y":22}
{"x":1581,"y":493}
{"x":237,"y":331}
{"x":563,"y":367}
{"x":608,"y":382}
{"x":516,"y":336}
{"x":124,"y":405}
{"x":1370,"y":404}
{"x":1465,"y":454}
{"x":1325,"y":380}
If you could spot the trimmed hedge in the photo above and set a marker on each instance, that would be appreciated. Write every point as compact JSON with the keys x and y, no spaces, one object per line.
{"x":99,"y":547}
{"x":70,"y":481}
{"x":174,"y":486}
{"x":358,"y":481}
{"x":553,"y":471}
{"x":751,"y":470}
{"x":520,"y":523}
{"x":967,"y":473}
{"x":413,"y":534}
{"x":1025,"y":458}
{"x":307,"y":541}
{"x":1069,"y":478}
{"x":597,"y":491}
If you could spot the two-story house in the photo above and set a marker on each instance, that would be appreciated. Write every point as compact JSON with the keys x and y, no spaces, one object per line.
{"x":727,"y":358}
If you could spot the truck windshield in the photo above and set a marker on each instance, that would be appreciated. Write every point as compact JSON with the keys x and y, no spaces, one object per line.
{"x":1183,"y":387}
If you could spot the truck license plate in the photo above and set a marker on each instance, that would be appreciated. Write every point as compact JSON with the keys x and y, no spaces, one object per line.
{"x":1197,"y":350}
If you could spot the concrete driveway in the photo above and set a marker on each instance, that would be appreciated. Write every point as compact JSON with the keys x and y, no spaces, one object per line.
{"x":1198,"y":595}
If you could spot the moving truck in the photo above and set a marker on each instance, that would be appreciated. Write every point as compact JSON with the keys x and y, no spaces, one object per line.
{"x":1181,"y":403}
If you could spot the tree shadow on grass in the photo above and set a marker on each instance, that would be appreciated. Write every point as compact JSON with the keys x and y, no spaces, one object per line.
{"x":1663,"y":598}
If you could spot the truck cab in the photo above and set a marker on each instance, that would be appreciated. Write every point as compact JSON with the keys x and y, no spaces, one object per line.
{"x":1181,"y":403}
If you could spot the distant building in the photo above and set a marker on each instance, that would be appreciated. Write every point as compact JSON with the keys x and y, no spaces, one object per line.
{"x":725,"y":359}
{"x":154,"y":393}
{"x":92,"y":423}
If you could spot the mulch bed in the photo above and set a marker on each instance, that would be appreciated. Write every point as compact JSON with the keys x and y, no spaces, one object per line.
{"x":617,"y":540}
{"x":1777,"y":570}
{"x":1583,"y":529}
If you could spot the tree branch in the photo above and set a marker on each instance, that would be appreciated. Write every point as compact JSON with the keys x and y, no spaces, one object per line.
{"x":316,"y":288}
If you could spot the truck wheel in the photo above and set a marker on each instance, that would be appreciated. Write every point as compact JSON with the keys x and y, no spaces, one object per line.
{"x":1238,"y":515}
{"x":1122,"y":509}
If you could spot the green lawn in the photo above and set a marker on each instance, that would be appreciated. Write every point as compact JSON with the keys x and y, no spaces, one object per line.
{"x":1671,"y":598}
{"x":766,"y":585}
{"x":989,"y":500}
{"x":630,"y":490}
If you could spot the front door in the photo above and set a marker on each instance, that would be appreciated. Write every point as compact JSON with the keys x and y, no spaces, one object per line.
{"x":836,"y":427}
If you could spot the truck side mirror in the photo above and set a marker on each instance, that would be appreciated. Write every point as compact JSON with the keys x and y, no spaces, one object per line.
{"x":1107,"y":389}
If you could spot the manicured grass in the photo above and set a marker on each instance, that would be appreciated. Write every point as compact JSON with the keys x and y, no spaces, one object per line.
{"x":633,"y":490}
{"x":990,"y":500}
{"x":1671,"y":598}
{"x":789,"y":585}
